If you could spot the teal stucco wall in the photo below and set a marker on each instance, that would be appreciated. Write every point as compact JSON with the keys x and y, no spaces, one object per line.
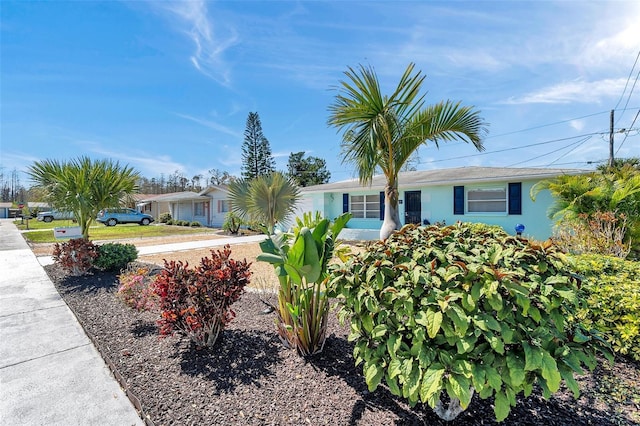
{"x":437,"y":206}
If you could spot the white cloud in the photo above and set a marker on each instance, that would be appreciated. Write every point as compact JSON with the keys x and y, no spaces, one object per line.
{"x":18,"y":161}
{"x":146,"y":163}
{"x":577,"y":124}
{"x":281,"y":154}
{"x":212,"y":125}
{"x":573,"y":91}
{"x":210,"y":47}
{"x":617,"y":47}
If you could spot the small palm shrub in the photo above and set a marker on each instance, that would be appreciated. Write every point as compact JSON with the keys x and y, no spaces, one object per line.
{"x":612,"y":290}
{"x":301,"y":261}
{"x":232,"y":223}
{"x":164,"y":217}
{"x":136,"y":288}
{"x":197,"y":301}
{"x":115,"y":256}
{"x":458,"y":311}
{"x":75,"y":256}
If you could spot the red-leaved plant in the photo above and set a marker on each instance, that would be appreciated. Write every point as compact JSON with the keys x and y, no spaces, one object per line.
{"x":197,"y":301}
{"x":75,"y":256}
{"x":136,"y":288}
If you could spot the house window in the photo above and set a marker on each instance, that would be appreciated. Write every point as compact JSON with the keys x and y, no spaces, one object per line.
{"x":223,"y":206}
{"x":365,"y":206}
{"x":487,"y":200}
{"x":198,"y":209}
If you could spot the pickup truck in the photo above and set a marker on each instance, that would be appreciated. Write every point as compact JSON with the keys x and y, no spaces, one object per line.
{"x":54,"y":215}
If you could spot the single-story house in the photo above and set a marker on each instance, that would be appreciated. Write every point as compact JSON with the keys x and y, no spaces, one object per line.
{"x":491,"y":195}
{"x":153,"y":204}
{"x":4,"y":210}
{"x":219,"y":204}
{"x":39,"y":205}
{"x":187,"y":205}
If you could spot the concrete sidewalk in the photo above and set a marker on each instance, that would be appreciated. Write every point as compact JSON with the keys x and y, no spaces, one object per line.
{"x":190,"y":245}
{"x":50,"y":373}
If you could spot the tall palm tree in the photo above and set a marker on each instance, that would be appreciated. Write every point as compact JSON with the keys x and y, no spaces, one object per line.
{"x":83,"y":186}
{"x":382,"y":132}
{"x":267,"y":199}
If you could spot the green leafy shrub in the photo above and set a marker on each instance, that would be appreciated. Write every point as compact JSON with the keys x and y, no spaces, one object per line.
{"x":195,"y":224}
{"x":232,"y":223}
{"x":612,"y":288}
{"x":183,"y":223}
{"x":75,"y":256}
{"x":171,"y":222}
{"x":197,"y":301}
{"x":136,"y":288}
{"x":482,"y":228}
{"x":115,"y":256}
{"x":455,"y":310}
{"x":302,"y":270}
{"x":164,"y":217}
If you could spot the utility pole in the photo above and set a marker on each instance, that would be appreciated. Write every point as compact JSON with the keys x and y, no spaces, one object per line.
{"x":611,"y":141}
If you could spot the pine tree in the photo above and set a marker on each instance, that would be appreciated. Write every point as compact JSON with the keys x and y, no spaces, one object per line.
{"x":307,"y":171}
{"x":256,"y":152}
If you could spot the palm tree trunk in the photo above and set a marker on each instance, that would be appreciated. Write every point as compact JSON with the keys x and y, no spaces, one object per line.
{"x":391,"y":222}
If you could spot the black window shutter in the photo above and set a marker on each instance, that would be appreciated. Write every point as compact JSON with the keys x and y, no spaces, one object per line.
{"x":458,"y":200}
{"x":345,"y":203}
{"x":381,"y":205}
{"x":515,"y":198}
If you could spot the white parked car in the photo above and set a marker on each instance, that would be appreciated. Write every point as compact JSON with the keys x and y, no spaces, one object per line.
{"x":54,"y":215}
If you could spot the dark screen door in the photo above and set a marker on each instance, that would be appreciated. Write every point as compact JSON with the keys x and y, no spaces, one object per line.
{"x":412,"y":207}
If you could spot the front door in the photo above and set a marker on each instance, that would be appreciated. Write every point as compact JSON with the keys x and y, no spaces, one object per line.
{"x":412,"y":207}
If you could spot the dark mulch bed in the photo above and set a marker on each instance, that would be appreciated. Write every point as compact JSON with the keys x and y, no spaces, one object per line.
{"x":250,"y":379}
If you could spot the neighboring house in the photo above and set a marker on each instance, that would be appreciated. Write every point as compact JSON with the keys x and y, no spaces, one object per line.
{"x":152,"y":204}
{"x":491,"y":195}
{"x":41,"y":206}
{"x":189,"y":206}
{"x":4,"y":210}
{"x":219,"y":204}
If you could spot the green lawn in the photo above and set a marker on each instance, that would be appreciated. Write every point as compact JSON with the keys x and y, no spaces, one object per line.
{"x":36,"y":224}
{"x":40,"y":232}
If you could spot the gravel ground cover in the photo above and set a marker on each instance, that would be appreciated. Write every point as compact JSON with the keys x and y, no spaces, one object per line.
{"x":249,"y":378}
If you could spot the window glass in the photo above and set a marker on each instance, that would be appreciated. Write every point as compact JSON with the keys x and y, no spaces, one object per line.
{"x":223,"y":206}
{"x":198,"y":209}
{"x":487,"y":200}
{"x":365,"y":206}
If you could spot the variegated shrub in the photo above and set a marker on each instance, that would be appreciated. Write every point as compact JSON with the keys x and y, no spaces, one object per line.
{"x":464,"y":310}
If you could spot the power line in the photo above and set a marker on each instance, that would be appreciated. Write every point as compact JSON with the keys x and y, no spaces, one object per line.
{"x":626,"y":135}
{"x":627,"y":83}
{"x":578,"y":143}
{"x":629,"y":97}
{"x":547,"y":125}
{"x":570,"y":151}
{"x":511,"y":148}
{"x":588,"y":162}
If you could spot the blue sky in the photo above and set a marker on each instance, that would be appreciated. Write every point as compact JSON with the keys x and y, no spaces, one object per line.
{"x":165,"y":86}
